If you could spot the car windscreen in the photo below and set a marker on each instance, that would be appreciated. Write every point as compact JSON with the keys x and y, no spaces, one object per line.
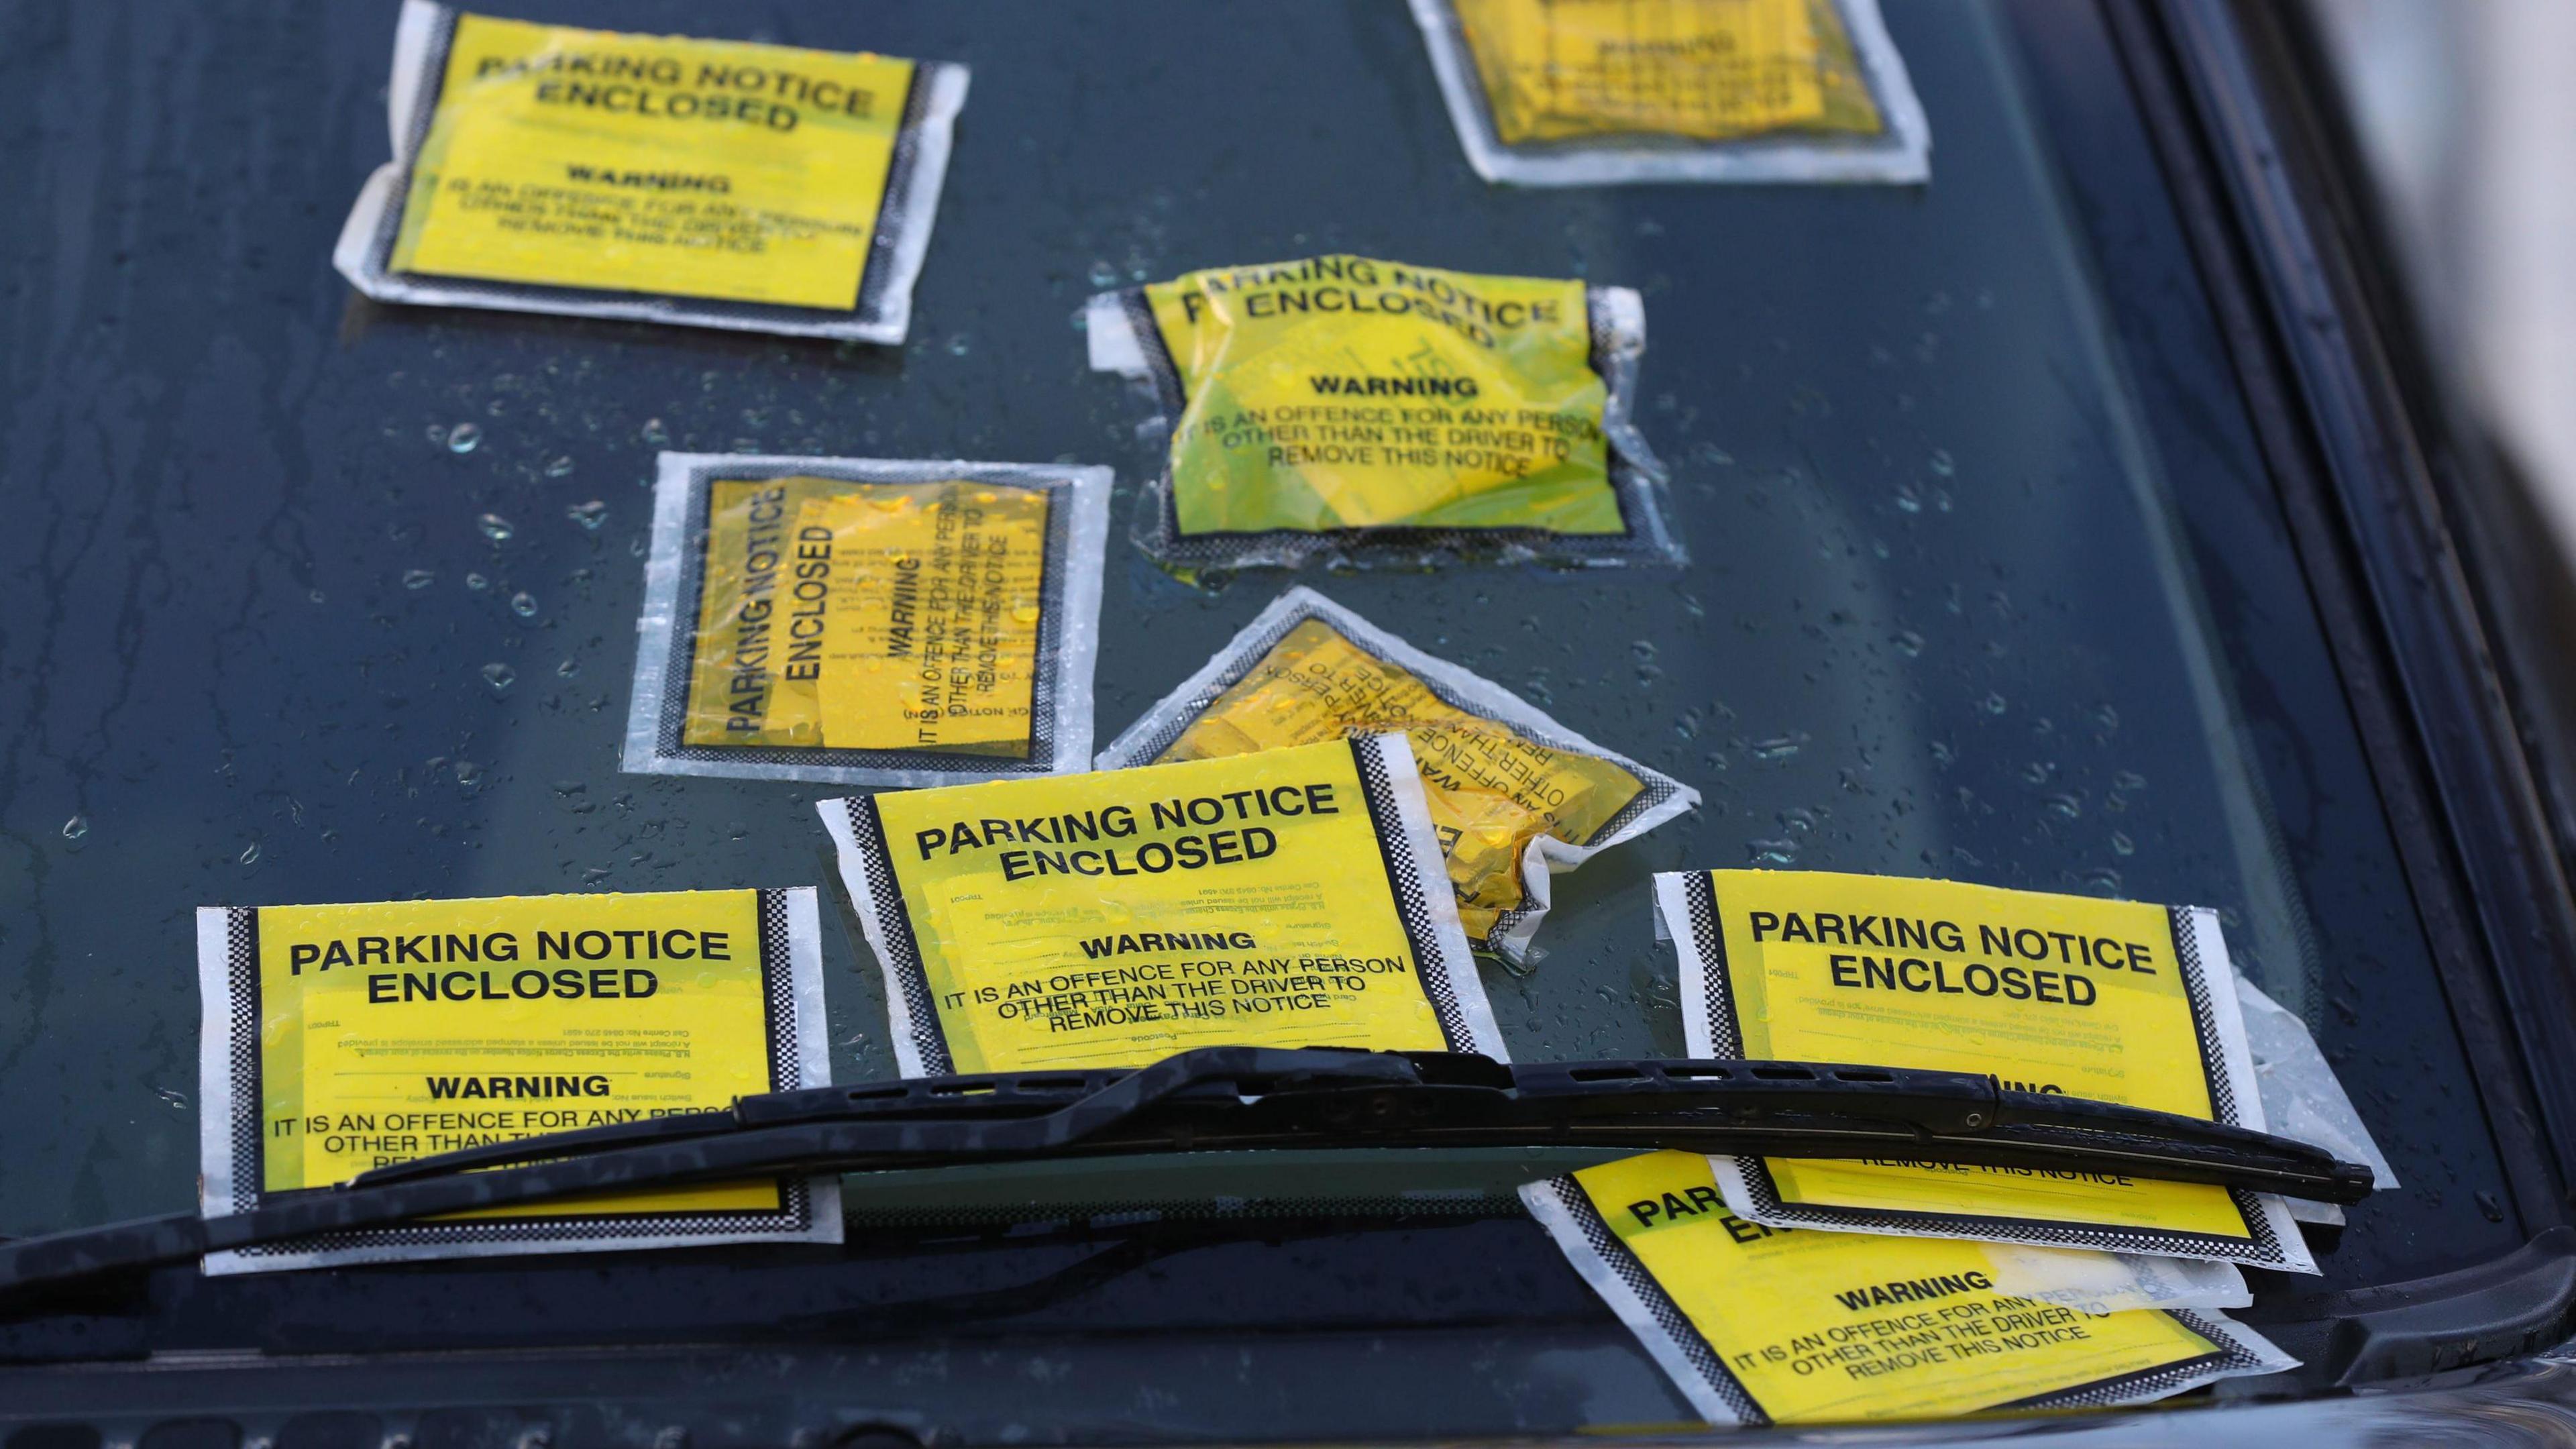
{"x":311,"y":599}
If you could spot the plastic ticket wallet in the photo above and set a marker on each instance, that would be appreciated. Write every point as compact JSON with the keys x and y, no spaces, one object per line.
{"x":1596,"y":92}
{"x":1762,"y":1325}
{"x":1289,"y":898}
{"x":342,"y":1038}
{"x":2112,"y":1000}
{"x":540,"y":168}
{"x":1342,"y":408}
{"x":1513,"y":794}
{"x":865,"y":622}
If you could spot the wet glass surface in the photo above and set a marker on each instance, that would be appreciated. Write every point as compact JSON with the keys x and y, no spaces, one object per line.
{"x":305,"y":599}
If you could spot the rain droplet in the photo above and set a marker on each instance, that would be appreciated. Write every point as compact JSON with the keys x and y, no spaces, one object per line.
{"x":1103,"y":275}
{"x":1941,"y":463}
{"x":250,"y":854}
{"x":524,"y":604}
{"x":76,"y":827}
{"x":468,"y":772}
{"x":2064,"y":807}
{"x":561,"y":466}
{"x":477,"y":582}
{"x":2128,"y":780}
{"x":496,"y":528}
{"x":418,"y":578}
{"x":173,"y":1096}
{"x":1772,"y":852}
{"x":567,"y":669}
{"x":499,"y":676}
{"x":654,"y":433}
{"x":1908,"y":643}
{"x":1025,"y":613}
{"x":2121,"y":844}
{"x":1907,"y":500}
{"x":1779,"y":747}
{"x":959,"y":345}
{"x":2102,"y":878}
{"x":438,"y":432}
{"x":589,"y":515}
{"x":463,"y":437}
{"x":1993,"y":703}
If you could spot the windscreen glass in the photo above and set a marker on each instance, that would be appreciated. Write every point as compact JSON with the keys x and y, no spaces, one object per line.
{"x":307,"y":599}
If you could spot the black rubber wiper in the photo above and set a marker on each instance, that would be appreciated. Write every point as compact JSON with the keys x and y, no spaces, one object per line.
{"x":1257,"y":1098}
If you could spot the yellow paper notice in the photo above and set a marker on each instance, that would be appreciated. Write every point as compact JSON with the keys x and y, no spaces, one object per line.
{"x":1491,"y":790}
{"x":1777,"y":1325}
{"x":1705,"y":70}
{"x":1289,"y":898}
{"x":1339,"y":392}
{"x":2048,"y":993}
{"x":868,"y":616}
{"x":653,"y":164}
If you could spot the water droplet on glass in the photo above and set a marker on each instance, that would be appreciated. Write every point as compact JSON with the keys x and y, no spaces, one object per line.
{"x":1992,"y":704}
{"x":654,"y":433}
{"x":589,"y":515}
{"x":463,"y":437}
{"x":468,"y":772}
{"x":438,"y":432}
{"x":495,"y":527}
{"x":1772,"y":852}
{"x":173,"y":1096}
{"x":1779,"y":747}
{"x":418,"y":578}
{"x":2128,"y":781}
{"x":524,"y":604}
{"x":477,"y":582}
{"x":1103,"y":275}
{"x":559,"y":467}
{"x":2121,"y":844}
{"x":250,"y":854}
{"x":567,"y":669}
{"x":76,"y":827}
{"x":1908,"y":643}
{"x":959,"y":345}
{"x":1907,"y":500}
{"x":1025,"y":613}
{"x":1941,"y":463}
{"x":2064,"y":806}
{"x":2037,"y":772}
{"x":2102,"y":878}
{"x":499,"y":676}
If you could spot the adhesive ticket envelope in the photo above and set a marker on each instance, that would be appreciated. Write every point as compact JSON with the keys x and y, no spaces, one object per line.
{"x":875,"y":623}
{"x":2112,"y":1000}
{"x":547,"y":167}
{"x":1710,"y":70}
{"x":1762,"y":1325}
{"x":1512,"y":793}
{"x":885,"y":591}
{"x":1337,"y":394}
{"x":342,"y":1038}
{"x":1289,"y":898}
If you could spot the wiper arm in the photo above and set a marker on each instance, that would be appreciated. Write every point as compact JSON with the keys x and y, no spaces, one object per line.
{"x":1256,"y":1098}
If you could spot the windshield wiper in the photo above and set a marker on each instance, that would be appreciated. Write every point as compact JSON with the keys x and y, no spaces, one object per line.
{"x":1219,"y":1099}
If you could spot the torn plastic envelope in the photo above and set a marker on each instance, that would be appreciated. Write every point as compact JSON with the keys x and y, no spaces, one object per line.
{"x":341,"y":1038}
{"x":1602,"y":92}
{"x":1289,"y":898}
{"x":868,"y":622}
{"x":1513,"y":794}
{"x":2302,"y":1096}
{"x":2113,"y":1000}
{"x":1758,"y":1325}
{"x":715,"y":183}
{"x":1349,"y":410}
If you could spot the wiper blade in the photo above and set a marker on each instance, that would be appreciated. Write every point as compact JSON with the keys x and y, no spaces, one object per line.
{"x":1257,"y":1098}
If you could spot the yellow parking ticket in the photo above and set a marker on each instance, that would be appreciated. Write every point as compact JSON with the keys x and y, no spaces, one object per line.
{"x":1595,"y":92}
{"x":1709,"y":70}
{"x":868,"y":622}
{"x":343,"y":1038}
{"x":1769,"y":1325}
{"x":725,"y":183}
{"x":1289,"y":898}
{"x":2112,"y":1000}
{"x":1514,"y":795}
{"x":1347,"y":406}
